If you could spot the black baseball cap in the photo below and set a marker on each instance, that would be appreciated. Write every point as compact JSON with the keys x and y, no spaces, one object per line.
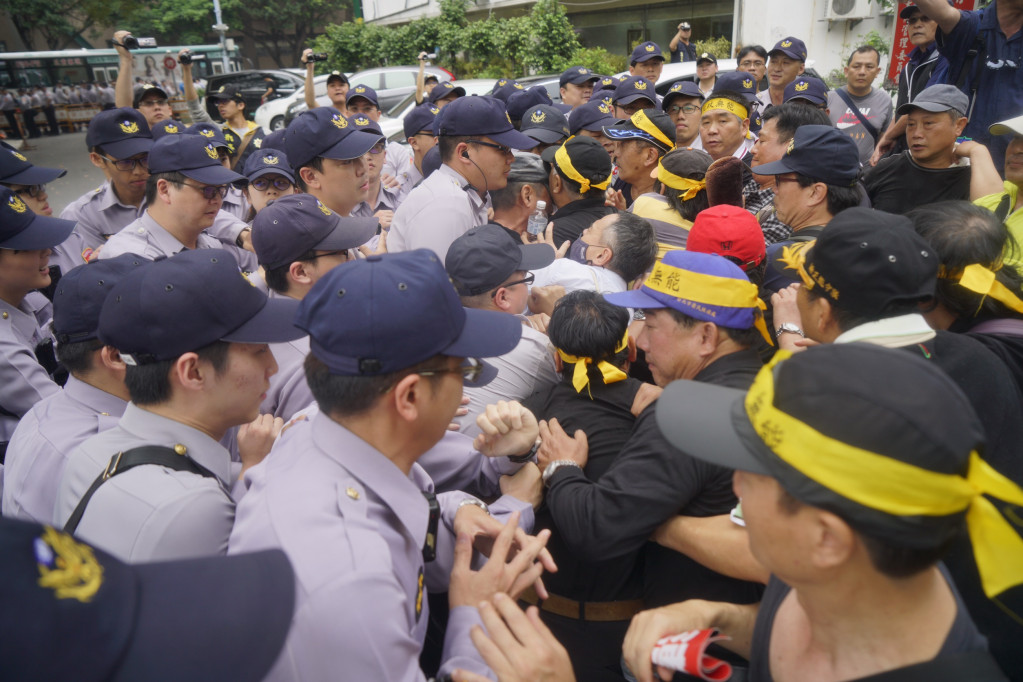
{"x":80,"y":293}
{"x":521,"y":102}
{"x":122,"y":133}
{"x":545,"y":124}
{"x":146,"y":89}
{"x":73,"y":612}
{"x":633,"y":88}
{"x":445,"y":89}
{"x":583,"y":160}
{"x":485,"y":257}
{"x":577,"y":75}
{"x":194,"y":157}
{"x":228,"y":91}
{"x":651,"y":125}
{"x":397,"y":297}
{"x":646,"y":51}
{"x":268,"y":161}
{"x":505,"y":88}
{"x":16,"y":169}
{"x":484,"y":116}
{"x":420,"y":119}
{"x":297,"y":223}
{"x":592,"y":116}
{"x":337,"y":76}
{"x":23,"y":230}
{"x":706,"y":57}
{"x":323,"y":131}
{"x":865,"y":261}
{"x":187,"y":302}
{"x":821,"y":153}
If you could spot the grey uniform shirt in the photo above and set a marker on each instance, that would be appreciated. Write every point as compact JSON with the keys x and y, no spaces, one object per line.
{"x":150,"y":513}
{"x":23,"y":381}
{"x":44,"y":439}
{"x":399,"y":160}
{"x":236,"y":205}
{"x":99,"y":214}
{"x":148,"y":239}
{"x":353,"y":526}
{"x":443,"y":208}
{"x":288,"y":392}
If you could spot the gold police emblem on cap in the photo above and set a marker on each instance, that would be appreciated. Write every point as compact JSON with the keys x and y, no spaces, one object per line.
{"x":18,"y":156}
{"x":129,"y":127}
{"x":748,"y":83}
{"x":66,"y":566}
{"x":501,"y":83}
{"x":801,"y":86}
{"x":604,"y":107}
{"x":434,"y":109}
{"x":608,"y":80}
{"x":170,"y":129}
{"x":519,"y":86}
{"x":361,"y":121}
{"x":640,"y":85}
{"x":323,"y":209}
{"x":206,"y":133}
{"x":211,"y":151}
{"x":360,"y":88}
{"x":792,"y":145}
{"x":649,"y":48}
{"x":584,"y":71}
{"x":17,"y":204}
{"x":339,"y":121}
{"x":222,"y":88}
{"x":271,"y":160}
{"x":786,"y":43}
{"x":538,"y":117}
{"x":257,"y":143}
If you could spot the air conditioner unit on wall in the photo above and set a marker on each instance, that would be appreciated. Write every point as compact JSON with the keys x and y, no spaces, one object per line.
{"x":837,"y":10}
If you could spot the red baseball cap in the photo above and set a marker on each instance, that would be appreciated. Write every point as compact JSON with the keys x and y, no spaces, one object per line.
{"x":729,"y":231}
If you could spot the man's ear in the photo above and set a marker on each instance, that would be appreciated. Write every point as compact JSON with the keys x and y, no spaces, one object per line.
{"x":111,"y":358}
{"x":311,"y":177}
{"x":189,"y":372}
{"x":407,"y":397}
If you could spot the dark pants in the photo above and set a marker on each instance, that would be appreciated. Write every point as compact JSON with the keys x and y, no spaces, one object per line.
{"x":12,"y":122}
{"x":594,"y":647}
{"x":30,"y":122}
{"x":51,"y":119}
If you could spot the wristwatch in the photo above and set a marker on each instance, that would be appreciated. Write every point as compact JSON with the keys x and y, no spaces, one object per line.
{"x":789,"y":328}
{"x":238,"y":240}
{"x":554,"y":466}
{"x":526,"y":456}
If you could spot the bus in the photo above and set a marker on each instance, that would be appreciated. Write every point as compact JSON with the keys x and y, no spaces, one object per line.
{"x":67,"y":67}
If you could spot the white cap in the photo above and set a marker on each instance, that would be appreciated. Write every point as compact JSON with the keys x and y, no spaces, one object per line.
{"x":1013,"y":126}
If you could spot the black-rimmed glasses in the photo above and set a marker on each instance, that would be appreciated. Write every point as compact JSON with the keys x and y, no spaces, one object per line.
{"x":528,"y":279}
{"x":129,"y":164}
{"x":209,"y":192}
{"x":263,"y":184}
{"x":499,"y":147}
{"x":34,"y":191}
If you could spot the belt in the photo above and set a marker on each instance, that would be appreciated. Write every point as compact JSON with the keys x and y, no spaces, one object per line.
{"x":594,"y":611}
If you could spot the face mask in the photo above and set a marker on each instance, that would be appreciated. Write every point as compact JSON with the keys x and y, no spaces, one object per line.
{"x":577,"y":251}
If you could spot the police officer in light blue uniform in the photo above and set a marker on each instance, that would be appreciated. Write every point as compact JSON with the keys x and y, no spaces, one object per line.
{"x":93,"y":398}
{"x":343,"y":494}
{"x":193,"y":334}
{"x":26,"y":350}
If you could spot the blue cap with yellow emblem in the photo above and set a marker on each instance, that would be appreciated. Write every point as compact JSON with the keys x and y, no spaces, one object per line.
{"x":323,"y":131}
{"x":577,"y":75}
{"x":266,"y":162}
{"x":682,"y":89}
{"x":23,"y":230}
{"x":482,"y":116}
{"x":364,"y":92}
{"x":505,"y":88}
{"x":168,"y":126}
{"x":121,"y":133}
{"x":821,"y":153}
{"x":592,"y":116}
{"x":634,"y":88}
{"x":545,"y":124}
{"x":16,"y":169}
{"x":194,"y":156}
{"x":186,"y":302}
{"x":738,"y":81}
{"x":446,"y":90}
{"x":793,"y":48}
{"x":420,"y":119}
{"x":645,"y":52}
{"x":808,"y":89}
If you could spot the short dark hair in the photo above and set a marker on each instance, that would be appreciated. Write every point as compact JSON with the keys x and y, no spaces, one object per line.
{"x":633,"y":245}
{"x":149,"y":384}
{"x":758,"y":49}
{"x":790,"y":116}
{"x":747,"y":338}
{"x":347,"y":396}
{"x":586,"y":325}
{"x":277,"y":278}
{"x":505,"y":198}
{"x":965,"y":234}
{"x":448,"y":143}
{"x":316,"y":163}
{"x":173,"y":177}
{"x":78,"y":357}
{"x":839,"y":197}
{"x":862,"y":49}
{"x":690,"y":208}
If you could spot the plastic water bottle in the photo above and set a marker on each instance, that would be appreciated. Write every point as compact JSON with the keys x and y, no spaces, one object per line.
{"x":538,"y":221}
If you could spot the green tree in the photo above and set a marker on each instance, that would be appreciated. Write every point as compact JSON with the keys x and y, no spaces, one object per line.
{"x":552,"y":36}
{"x":56,"y":22}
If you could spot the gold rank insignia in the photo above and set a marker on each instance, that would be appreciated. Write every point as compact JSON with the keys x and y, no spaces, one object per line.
{"x":434,"y":110}
{"x":748,"y":83}
{"x":792,"y":145}
{"x":271,"y":160}
{"x":786,"y":43}
{"x":211,"y":151}
{"x":129,"y":127}
{"x":16,"y":204}
{"x":802,"y":86}
{"x":18,"y":156}
{"x":339,"y":121}
{"x":323,"y":209}
{"x":419,"y":594}
{"x":67,"y":567}
{"x":640,"y":85}
{"x":649,"y":48}
{"x":538,"y":117}
{"x":206,"y":133}
{"x":361,"y":121}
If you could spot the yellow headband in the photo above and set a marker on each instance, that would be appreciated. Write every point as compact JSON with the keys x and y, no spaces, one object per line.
{"x":896,"y":488}
{"x":982,"y":280}
{"x":564,"y":162}
{"x":726,"y":104}
{"x":687,"y":188}
{"x":708,"y":290}
{"x":581,"y":374}
{"x":643,"y":122}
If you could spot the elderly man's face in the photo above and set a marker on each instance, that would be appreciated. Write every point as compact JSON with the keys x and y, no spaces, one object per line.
{"x":722,"y":132}
{"x":931,"y":136}
{"x":672,"y":351}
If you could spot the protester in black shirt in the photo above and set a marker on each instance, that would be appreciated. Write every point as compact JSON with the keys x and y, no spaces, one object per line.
{"x":578,"y":173}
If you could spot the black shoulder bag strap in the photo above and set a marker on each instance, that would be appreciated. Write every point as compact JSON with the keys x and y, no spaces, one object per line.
{"x":859,"y":114}
{"x":1003,"y":208}
{"x":976,"y":666}
{"x":975,"y":57}
{"x":129,"y":459}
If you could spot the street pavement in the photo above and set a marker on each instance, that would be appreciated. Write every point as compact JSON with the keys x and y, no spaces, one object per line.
{"x":67,"y":151}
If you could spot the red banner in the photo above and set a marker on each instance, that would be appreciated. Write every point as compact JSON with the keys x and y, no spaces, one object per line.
{"x":901,"y":47}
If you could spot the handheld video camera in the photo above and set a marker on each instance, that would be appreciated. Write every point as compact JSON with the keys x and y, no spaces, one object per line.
{"x":317,"y":57}
{"x":133,"y":43}
{"x":188,"y":58}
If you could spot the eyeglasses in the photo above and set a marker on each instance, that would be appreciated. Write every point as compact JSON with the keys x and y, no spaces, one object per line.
{"x":686,"y":109}
{"x":781,"y":179}
{"x":630,"y":109}
{"x":748,"y":64}
{"x":153,"y":103}
{"x":34,"y":191}
{"x":263,"y":184}
{"x":209,"y":192}
{"x":129,"y":164}
{"x":528,"y":279}
{"x":470,"y":370}
{"x":339,"y":252}
{"x":499,"y":147}
{"x":914,"y":20}
{"x":378,"y":148}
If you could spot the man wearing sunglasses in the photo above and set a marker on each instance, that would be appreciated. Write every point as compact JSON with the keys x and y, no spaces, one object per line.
{"x":184,"y":194}
{"x":119,"y":141}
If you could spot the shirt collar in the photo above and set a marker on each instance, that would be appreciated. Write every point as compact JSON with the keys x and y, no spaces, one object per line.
{"x":165,"y":241}
{"x":24,"y":317}
{"x":891,"y":332}
{"x":109,"y":200}
{"x":94,"y":399}
{"x":377,"y":473}
{"x":462,"y":183}
{"x":149,"y":427}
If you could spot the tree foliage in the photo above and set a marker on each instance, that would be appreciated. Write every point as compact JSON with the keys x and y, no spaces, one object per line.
{"x":51,"y":24}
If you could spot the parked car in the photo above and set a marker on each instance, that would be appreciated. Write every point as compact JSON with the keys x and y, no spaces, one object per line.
{"x":392,"y":85}
{"x":391,"y":121}
{"x":252,"y":85}
{"x":551,"y":81}
{"x":270,"y":116}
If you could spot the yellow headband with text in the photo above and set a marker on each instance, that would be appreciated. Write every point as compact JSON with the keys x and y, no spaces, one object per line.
{"x":686,"y":187}
{"x":880,"y":483}
{"x":726,"y":104}
{"x":581,"y":374}
{"x":643,"y":122}
{"x":564,"y":162}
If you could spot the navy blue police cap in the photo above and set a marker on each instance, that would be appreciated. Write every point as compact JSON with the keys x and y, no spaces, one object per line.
{"x":592,"y":116}
{"x":80,"y":293}
{"x":645,"y":52}
{"x":545,"y":124}
{"x":325,"y":132}
{"x":167,"y":126}
{"x":365,"y":92}
{"x":16,"y":169}
{"x":211,"y":132}
{"x":445,"y":89}
{"x":23,"y":230}
{"x":821,"y":153}
{"x":521,"y":102}
{"x":274,"y":140}
{"x":298,"y":223}
{"x":420,"y":119}
{"x":122,"y":133}
{"x":577,"y":75}
{"x":634,"y":88}
{"x":266,"y":162}
{"x":808,"y":88}
{"x":194,"y":157}
{"x":505,"y":88}
{"x":481,"y":116}
{"x":738,"y":81}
